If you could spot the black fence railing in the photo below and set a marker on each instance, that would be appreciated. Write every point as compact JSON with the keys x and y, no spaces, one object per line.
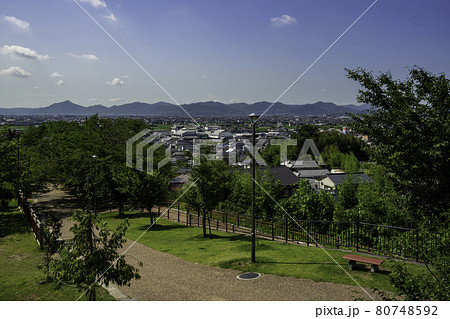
{"x":380,"y":239}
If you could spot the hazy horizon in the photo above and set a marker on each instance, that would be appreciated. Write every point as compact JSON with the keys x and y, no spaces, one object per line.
{"x":107,"y":51}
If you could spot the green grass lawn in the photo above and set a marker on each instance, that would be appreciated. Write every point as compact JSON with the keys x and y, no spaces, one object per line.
{"x":229,"y":250}
{"x":19,"y":257}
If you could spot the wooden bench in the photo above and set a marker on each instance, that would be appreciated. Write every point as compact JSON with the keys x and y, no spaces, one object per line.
{"x":352,"y":259}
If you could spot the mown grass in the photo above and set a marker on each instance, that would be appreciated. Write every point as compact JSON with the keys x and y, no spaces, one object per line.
{"x":19,"y":257}
{"x":229,"y":250}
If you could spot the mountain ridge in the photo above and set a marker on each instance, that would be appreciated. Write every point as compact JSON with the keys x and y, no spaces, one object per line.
{"x":208,"y":108}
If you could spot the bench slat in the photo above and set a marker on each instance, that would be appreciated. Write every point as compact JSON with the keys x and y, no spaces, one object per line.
{"x":363,"y":259}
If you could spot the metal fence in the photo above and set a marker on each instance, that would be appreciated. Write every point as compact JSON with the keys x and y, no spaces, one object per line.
{"x":381,"y":239}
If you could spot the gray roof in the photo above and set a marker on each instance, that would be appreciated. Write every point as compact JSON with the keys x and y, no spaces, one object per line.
{"x":307,"y":164}
{"x":180,"y":179}
{"x":310,"y":173}
{"x":339,"y":178}
{"x":183,"y":170}
{"x":281,"y":173}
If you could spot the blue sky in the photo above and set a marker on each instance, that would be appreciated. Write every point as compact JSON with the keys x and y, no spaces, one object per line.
{"x":201,"y":50}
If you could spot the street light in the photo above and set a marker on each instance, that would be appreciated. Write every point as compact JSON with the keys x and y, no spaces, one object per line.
{"x":253,"y":118}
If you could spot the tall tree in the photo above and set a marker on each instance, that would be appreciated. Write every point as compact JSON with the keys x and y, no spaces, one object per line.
{"x":212,"y":183}
{"x":144,"y":190}
{"x":409,"y":124}
{"x":9,"y":164}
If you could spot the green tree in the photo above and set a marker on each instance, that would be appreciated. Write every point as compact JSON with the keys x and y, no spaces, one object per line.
{"x":144,"y":190}
{"x":306,"y":203}
{"x":410,"y":127}
{"x":271,"y":155}
{"x":434,"y":287}
{"x":9,"y":165}
{"x":93,"y":259}
{"x":347,"y":201}
{"x":52,"y":232}
{"x":267,"y":189}
{"x":409,"y":124}
{"x":212,"y":183}
{"x":60,"y":152}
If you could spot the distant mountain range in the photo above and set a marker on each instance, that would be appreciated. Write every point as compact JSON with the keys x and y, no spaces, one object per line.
{"x":194,"y":109}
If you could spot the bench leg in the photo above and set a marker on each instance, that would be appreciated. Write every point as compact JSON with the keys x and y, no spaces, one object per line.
{"x":374,"y":268}
{"x":351,"y":264}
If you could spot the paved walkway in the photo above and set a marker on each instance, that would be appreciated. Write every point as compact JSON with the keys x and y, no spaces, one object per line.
{"x":166,"y":277}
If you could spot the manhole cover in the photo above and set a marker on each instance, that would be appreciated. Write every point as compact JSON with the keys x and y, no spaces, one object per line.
{"x":248,"y":275}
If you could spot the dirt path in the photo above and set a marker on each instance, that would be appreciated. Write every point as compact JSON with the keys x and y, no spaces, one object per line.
{"x":166,"y":277}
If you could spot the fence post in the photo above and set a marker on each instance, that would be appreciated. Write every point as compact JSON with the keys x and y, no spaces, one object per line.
{"x":226,"y":222}
{"x":357,"y":236}
{"x":308,"y":232}
{"x":238,"y":219}
{"x":286,"y":225}
{"x":417,"y":244}
{"x":273,"y":237}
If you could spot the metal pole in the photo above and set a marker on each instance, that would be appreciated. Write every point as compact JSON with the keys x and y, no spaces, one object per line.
{"x":253,"y":191}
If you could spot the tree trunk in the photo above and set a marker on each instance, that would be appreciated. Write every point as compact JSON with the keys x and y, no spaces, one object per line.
{"x":121,"y":209}
{"x":209,"y":226}
{"x":204,"y":224}
{"x":92,"y":296}
{"x":151,"y":215}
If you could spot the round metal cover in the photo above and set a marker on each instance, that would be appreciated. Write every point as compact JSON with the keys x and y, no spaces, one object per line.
{"x":248,"y":275}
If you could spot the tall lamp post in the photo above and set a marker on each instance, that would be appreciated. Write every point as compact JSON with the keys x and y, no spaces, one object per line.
{"x":253,"y":118}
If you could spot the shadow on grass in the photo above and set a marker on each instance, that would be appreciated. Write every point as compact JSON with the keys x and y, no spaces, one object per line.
{"x":132,"y":215}
{"x":12,"y":222}
{"x":158,"y":227}
{"x":299,"y":263}
{"x":366,"y":268}
{"x":227,"y":238}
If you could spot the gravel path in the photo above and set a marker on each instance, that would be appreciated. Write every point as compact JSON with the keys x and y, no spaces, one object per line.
{"x":166,"y":277}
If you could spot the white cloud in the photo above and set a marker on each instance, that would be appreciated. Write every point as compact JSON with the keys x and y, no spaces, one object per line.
{"x":115,"y":81}
{"x":126,"y":76}
{"x":283,"y":20}
{"x":21,"y":52}
{"x":95,"y":3}
{"x":60,"y":82}
{"x":116,"y":99}
{"x":17,"y":22}
{"x":89,"y":57}
{"x":111,"y":17}
{"x":16,"y":71}
{"x":204,"y":77}
{"x":92,"y":99}
{"x":56,"y":75}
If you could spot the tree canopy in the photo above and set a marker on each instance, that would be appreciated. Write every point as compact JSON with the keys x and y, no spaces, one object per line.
{"x":409,"y":124}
